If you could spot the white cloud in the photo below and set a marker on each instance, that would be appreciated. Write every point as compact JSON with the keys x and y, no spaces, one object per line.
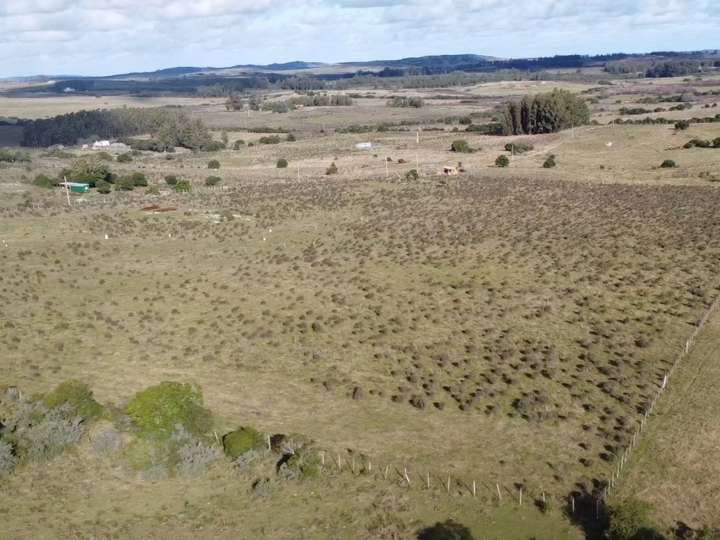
{"x":107,"y":36}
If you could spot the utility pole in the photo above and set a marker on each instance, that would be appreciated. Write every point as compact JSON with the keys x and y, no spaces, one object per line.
{"x":67,"y":190}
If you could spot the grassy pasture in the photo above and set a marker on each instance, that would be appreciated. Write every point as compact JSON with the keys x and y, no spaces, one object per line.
{"x":506,"y":326}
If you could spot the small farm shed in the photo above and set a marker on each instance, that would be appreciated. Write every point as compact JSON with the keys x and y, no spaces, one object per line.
{"x":76,"y":187}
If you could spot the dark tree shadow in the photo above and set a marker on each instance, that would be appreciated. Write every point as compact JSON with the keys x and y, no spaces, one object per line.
{"x":447,"y":530}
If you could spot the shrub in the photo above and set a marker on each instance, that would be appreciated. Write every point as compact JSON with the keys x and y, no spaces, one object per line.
{"x":502,"y":161}
{"x":103,"y":187}
{"x":53,"y":434}
{"x":242,"y":440}
{"x":183,"y":186}
{"x":332,"y":169}
{"x":716,"y":142}
{"x":290,"y":138}
{"x":124,"y":158}
{"x":237,"y":144}
{"x":519,"y":147}
{"x":549,"y":163}
{"x":171,"y":179}
{"x":412,"y":175}
{"x":78,"y":396}
{"x":301,"y":465}
{"x":282,"y":163}
{"x":195,"y":456}
{"x":628,"y":519}
{"x":212,"y":180}
{"x":682,"y":125}
{"x":43,"y":181}
{"x":13,"y":156}
{"x":213,"y":164}
{"x":8,"y":459}
{"x":126,"y":183}
{"x":152,"y":190}
{"x":138,"y":179}
{"x":156,"y":411}
{"x":272,"y":139}
{"x":668,"y":164}
{"x":88,"y":171}
{"x":460,"y":146}
{"x":415,"y":102}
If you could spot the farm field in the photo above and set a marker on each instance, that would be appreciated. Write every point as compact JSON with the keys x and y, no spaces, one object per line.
{"x":502,"y":330}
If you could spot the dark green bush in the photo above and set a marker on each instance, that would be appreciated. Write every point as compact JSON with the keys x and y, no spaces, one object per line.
{"x":668,"y":164}
{"x":502,"y":161}
{"x":124,"y":158}
{"x":460,"y":146}
{"x":238,"y":144}
{"x":282,"y":163}
{"x":212,"y":180}
{"x":332,"y":169}
{"x":682,"y":125}
{"x":241,"y":441}
{"x":126,"y":183}
{"x":103,"y":186}
{"x":448,"y":530}
{"x":14,"y":156}
{"x":213,"y":164}
{"x":549,"y":163}
{"x":88,"y":171}
{"x":290,"y":138}
{"x":171,"y":179}
{"x":158,"y":410}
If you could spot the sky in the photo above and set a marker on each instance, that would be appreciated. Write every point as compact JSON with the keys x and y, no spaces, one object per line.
{"x":102,"y":37}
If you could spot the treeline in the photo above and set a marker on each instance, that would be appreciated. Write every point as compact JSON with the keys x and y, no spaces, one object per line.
{"x":544,"y":113}
{"x":169,"y":126}
{"x":656,"y":69}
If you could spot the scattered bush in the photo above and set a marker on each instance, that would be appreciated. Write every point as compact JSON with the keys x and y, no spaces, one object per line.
{"x":124,"y":158}
{"x":682,"y":125}
{"x":415,"y":102}
{"x":238,"y":144}
{"x":78,"y":396}
{"x":549,"y":163}
{"x":461,"y":146}
{"x":89,"y":171}
{"x":14,"y":156}
{"x":242,"y":440}
{"x":502,"y":161}
{"x":103,"y":186}
{"x":44,"y":181}
{"x":213,"y":164}
{"x":332,"y":169}
{"x":412,"y":175}
{"x":156,"y":411}
{"x":300,"y":465}
{"x":126,"y":183}
{"x":282,"y":163}
{"x":212,"y":180}
{"x":668,"y":164}
{"x":183,"y":186}
{"x":290,"y":138}
{"x":271,"y":139}
{"x":171,"y":179}
{"x":519,"y":147}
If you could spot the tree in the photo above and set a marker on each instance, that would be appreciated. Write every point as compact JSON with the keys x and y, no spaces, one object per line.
{"x":544,"y":113}
{"x":447,"y":530}
{"x":630,"y":520}
{"x":682,"y":125}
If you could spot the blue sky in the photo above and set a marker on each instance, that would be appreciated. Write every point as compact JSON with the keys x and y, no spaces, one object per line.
{"x":96,"y":37}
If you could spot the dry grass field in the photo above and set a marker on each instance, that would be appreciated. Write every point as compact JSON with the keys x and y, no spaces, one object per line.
{"x":506,"y":326}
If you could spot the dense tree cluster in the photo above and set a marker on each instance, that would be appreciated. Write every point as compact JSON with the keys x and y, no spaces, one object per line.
{"x":169,"y":127}
{"x":677,"y":68}
{"x":544,"y":113}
